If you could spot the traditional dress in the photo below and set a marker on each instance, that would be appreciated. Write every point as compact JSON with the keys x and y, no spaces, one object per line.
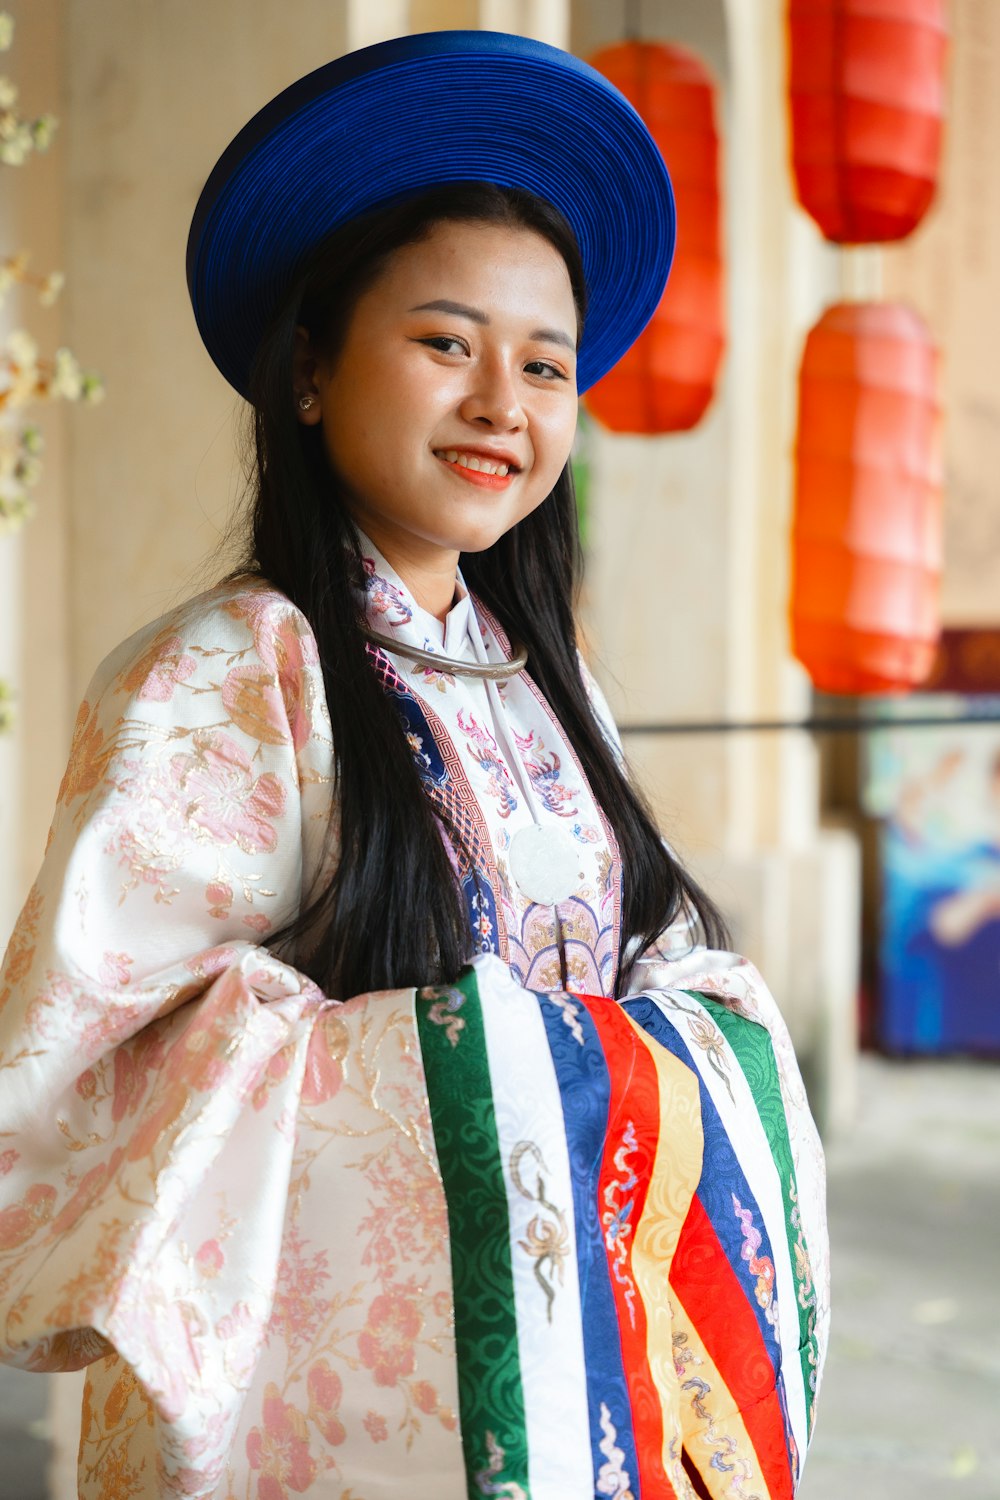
{"x":510,"y":1236}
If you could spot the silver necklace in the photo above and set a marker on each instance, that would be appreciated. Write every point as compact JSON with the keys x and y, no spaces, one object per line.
{"x":498,"y":672}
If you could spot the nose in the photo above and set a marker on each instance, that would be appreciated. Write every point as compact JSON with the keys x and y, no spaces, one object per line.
{"x":492,"y":400}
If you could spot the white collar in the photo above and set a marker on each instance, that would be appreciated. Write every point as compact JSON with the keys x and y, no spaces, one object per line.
{"x":392,"y":610}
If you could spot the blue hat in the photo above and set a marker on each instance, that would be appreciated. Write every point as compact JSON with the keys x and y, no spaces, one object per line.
{"x":393,"y":119}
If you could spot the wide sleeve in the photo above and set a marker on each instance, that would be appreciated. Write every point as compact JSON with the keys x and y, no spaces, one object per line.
{"x":751,"y":1280}
{"x":138,"y":1007}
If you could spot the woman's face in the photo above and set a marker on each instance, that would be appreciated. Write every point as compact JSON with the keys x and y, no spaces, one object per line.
{"x":459,"y":359}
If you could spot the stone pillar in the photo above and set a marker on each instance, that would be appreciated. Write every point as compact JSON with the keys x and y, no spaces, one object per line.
{"x":688,"y":572}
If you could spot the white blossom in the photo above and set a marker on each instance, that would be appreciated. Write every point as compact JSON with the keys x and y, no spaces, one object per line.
{"x":16,"y":509}
{"x":21,"y":347}
{"x":15,"y":141}
{"x":6,"y":30}
{"x":67,"y":378}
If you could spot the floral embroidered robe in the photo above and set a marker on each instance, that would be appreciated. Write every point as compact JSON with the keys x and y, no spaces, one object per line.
{"x":506,"y":1237}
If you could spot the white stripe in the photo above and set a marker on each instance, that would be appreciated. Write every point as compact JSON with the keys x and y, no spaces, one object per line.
{"x":532,"y":1138}
{"x":750,"y":1145}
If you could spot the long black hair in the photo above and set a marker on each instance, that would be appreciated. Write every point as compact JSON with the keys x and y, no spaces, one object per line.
{"x":390,"y":913}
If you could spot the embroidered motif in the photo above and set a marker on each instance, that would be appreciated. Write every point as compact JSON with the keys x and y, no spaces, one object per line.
{"x":586,"y":833}
{"x":384,"y":597}
{"x":485,"y":1477}
{"x":612,"y":1477}
{"x":544,"y":772}
{"x":616,"y":1219}
{"x":432,"y":676}
{"x":708,"y":1038}
{"x":486,"y":753}
{"x":726,"y":1460}
{"x":447,"y":1001}
{"x":483,"y":929}
{"x":547,"y":1239}
{"x":806,"y":1289}
{"x":570,"y":1014}
{"x":761,"y":1266}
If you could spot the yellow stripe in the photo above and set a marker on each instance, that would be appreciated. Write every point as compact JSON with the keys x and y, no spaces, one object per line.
{"x":717,"y":1428}
{"x":675,"y":1176}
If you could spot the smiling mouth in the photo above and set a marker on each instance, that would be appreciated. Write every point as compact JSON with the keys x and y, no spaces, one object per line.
{"x":474,"y":463}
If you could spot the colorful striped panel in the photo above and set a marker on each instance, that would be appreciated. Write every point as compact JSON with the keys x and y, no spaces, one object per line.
{"x":630,"y":1284}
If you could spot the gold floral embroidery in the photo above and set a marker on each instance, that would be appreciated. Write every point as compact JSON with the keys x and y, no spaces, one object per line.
{"x":706,"y":1036}
{"x":23,"y":945}
{"x":547,"y":1235}
{"x":89,"y":756}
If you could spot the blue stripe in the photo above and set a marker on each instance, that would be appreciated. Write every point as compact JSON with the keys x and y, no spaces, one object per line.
{"x":585,"y":1091}
{"x":477,"y":892}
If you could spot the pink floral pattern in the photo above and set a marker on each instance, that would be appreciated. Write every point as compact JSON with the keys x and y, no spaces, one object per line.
{"x":222,"y":797}
{"x":387,"y":1343}
{"x":161,"y":668}
{"x":279,"y":1449}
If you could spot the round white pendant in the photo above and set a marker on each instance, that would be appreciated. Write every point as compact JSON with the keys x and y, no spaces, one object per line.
{"x":545,"y":864}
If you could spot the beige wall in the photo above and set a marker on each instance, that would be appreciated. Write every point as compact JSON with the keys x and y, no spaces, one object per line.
{"x":34,"y":606}
{"x":155,"y":91}
{"x":950,"y":270}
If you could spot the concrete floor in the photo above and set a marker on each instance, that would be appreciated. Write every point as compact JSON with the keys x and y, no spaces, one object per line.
{"x":910,"y":1408}
{"x":911,"y":1401}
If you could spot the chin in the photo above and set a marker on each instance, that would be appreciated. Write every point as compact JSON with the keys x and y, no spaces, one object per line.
{"x":482,"y":540}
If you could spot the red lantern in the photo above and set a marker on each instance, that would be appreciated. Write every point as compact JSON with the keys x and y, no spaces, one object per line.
{"x":866,"y":85}
{"x":866,"y":532}
{"x":666,"y":380}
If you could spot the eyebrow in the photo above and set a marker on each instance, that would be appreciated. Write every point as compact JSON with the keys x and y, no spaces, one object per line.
{"x":476,"y":315}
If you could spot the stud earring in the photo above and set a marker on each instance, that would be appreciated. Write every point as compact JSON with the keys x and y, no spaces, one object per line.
{"x":306,"y":401}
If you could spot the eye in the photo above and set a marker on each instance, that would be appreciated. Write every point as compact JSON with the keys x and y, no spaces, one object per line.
{"x":543,"y":368}
{"x":445,"y":343}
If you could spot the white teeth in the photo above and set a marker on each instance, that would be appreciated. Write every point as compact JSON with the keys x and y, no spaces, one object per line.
{"x":470,"y":461}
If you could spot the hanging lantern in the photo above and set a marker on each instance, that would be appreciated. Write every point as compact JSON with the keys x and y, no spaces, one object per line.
{"x":666,"y":380}
{"x":866,"y":87}
{"x":866,"y":531}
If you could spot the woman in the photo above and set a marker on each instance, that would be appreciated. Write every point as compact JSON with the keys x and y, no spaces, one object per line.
{"x":313,"y":1230}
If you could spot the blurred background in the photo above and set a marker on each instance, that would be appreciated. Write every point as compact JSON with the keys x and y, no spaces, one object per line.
{"x":791,"y":501}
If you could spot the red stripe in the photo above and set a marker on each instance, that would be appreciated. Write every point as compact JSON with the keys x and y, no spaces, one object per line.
{"x":635,"y":1100}
{"x":725,"y":1323}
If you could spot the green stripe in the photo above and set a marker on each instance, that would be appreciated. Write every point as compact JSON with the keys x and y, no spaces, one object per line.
{"x":755,"y":1055}
{"x":491,"y":1399}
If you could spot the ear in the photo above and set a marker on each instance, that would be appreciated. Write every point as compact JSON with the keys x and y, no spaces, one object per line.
{"x":308,"y":406}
